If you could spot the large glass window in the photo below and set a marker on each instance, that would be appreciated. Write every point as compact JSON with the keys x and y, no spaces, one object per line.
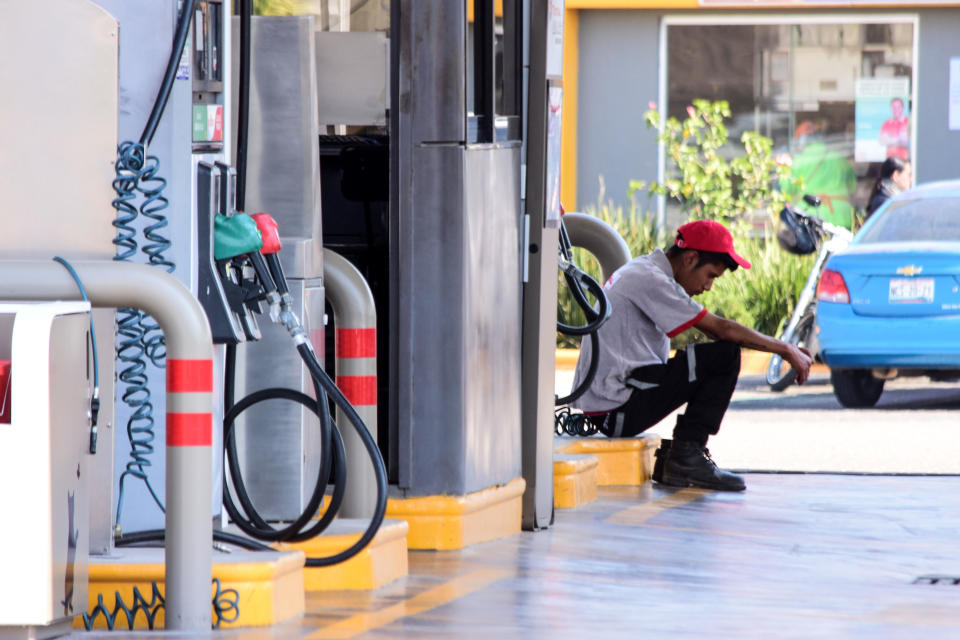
{"x":829,"y":95}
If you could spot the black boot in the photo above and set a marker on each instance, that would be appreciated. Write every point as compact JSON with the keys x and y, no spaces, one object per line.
{"x":661,"y":456}
{"x":689,"y":464}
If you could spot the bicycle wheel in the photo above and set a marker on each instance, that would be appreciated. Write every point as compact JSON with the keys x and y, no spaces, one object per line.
{"x":780,"y":374}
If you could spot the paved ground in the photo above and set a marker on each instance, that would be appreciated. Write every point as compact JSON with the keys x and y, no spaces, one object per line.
{"x":795,"y":557}
{"x":913,"y":429}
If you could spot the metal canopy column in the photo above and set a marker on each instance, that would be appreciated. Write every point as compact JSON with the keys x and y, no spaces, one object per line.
{"x":540,"y":290}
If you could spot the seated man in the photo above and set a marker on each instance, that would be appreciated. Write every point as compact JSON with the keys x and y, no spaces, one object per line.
{"x":637,"y":382}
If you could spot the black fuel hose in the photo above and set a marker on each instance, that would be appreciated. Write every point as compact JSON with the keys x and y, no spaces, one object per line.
{"x":179,"y":40}
{"x":587,"y":379}
{"x":595,"y":317}
{"x":380,"y":471}
{"x":160,"y":535}
{"x":243,"y":102}
{"x":576,"y":279}
{"x":255,"y":525}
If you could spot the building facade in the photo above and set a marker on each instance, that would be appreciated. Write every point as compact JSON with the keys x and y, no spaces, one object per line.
{"x":857,"y":81}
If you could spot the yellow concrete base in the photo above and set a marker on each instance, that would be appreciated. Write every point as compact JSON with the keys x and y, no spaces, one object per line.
{"x":622,"y":461}
{"x":383,"y":561}
{"x":256,"y":588}
{"x":574,"y":480}
{"x":454,"y":522}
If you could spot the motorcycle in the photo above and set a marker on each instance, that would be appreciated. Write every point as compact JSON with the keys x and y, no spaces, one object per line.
{"x":803,"y":234}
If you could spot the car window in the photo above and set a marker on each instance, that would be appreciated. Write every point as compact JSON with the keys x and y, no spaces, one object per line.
{"x":928,"y":219}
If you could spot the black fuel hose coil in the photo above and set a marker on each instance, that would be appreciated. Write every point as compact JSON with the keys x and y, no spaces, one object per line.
{"x":566,"y":422}
{"x":380,"y":470}
{"x":254,"y":524}
{"x":576,"y":279}
{"x":587,"y":379}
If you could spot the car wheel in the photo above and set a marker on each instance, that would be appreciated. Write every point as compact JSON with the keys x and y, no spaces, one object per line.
{"x":780,"y":374}
{"x":856,"y":388}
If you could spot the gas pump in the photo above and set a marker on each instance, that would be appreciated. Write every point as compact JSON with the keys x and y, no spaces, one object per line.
{"x":174,"y":81}
{"x":445,"y":191}
{"x":233,"y":262}
{"x":175,"y":200}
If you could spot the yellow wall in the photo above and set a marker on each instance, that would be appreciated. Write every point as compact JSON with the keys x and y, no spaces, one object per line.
{"x":497,"y":9}
{"x":568,"y":122}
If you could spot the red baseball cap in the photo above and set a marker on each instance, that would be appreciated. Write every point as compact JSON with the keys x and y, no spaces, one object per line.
{"x":707,"y":235}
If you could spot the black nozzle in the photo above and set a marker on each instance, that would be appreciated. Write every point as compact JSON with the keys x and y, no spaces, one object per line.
{"x":263,"y":271}
{"x":273,"y":261}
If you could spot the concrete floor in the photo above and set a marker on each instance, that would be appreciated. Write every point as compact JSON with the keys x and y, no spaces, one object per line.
{"x":913,"y":428}
{"x":794,"y":556}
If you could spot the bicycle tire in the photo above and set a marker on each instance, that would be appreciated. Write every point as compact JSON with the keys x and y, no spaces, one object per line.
{"x":781,"y":375}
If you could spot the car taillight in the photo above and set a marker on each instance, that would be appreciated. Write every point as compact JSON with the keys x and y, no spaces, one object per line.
{"x":832,"y":288}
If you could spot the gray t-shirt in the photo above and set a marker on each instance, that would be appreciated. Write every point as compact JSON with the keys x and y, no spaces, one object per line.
{"x":649,"y":307}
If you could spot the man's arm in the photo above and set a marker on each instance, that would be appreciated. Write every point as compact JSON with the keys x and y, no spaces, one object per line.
{"x":731,"y":331}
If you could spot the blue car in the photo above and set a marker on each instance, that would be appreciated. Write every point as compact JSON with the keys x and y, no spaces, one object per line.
{"x":889,"y":304}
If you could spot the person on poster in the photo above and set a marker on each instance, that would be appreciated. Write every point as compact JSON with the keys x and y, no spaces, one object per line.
{"x":895,"y":132}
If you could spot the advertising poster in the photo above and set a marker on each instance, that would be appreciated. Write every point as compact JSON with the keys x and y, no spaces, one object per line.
{"x":882,"y":119}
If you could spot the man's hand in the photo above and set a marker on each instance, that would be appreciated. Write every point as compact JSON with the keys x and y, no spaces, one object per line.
{"x":725,"y":329}
{"x":800,"y":359}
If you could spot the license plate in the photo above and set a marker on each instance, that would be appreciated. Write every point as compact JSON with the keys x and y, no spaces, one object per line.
{"x":911,"y":290}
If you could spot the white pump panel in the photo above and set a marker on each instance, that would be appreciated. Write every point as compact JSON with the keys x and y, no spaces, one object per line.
{"x":43,"y":454}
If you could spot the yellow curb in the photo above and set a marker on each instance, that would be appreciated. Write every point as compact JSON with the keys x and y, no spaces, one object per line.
{"x":381,"y":562}
{"x":567,"y":358}
{"x":574,"y":480}
{"x":622,"y":461}
{"x":258,"y":588}
{"x":454,"y":522}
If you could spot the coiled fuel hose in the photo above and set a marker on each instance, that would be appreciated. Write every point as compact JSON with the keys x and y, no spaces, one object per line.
{"x":139,"y":336}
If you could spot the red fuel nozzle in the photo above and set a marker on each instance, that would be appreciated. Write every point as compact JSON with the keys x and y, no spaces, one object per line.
{"x":270,"y":232}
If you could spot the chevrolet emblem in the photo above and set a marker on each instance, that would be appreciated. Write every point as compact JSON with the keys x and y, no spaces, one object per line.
{"x":909,"y":270}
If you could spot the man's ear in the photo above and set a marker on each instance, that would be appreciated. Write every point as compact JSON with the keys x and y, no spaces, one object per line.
{"x":690,"y":258}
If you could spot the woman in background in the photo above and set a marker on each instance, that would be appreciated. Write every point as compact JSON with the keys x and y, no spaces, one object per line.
{"x":896,"y":175}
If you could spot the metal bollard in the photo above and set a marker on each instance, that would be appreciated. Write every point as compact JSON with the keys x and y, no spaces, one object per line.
{"x":356,"y":352}
{"x":600,"y":239}
{"x":189,"y":523}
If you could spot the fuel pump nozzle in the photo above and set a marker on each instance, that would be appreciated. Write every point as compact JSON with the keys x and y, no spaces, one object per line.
{"x":270,"y":293}
{"x":270,"y":234}
{"x":237,"y":241}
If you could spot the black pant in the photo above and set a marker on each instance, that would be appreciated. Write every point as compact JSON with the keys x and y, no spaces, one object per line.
{"x":704,"y":381}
